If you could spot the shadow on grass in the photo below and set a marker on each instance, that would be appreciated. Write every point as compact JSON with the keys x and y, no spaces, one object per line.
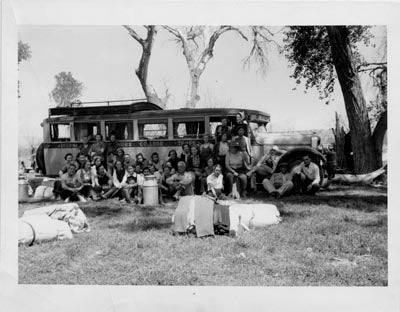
{"x":152,"y":223}
{"x":353,"y":202}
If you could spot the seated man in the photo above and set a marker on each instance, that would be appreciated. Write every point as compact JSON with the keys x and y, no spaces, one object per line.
{"x":265,"y":166}
{"x":215,"y":183}
{"x":71,"y":185}
{"x":280,"y":183}
{"x":307,"y":178}
{"x":181,"y":182}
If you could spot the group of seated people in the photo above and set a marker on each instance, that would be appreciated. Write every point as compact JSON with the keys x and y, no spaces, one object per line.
{"x":104,"y":170}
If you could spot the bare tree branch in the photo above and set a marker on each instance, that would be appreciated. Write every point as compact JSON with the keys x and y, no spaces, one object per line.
{"x":134,"y":34}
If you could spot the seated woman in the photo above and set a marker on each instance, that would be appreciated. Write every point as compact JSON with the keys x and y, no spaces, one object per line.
{"x":185,"y":153}
{"x":87,"y":178}
{"x":215,"y":183}
{"x":181,"y":182}
{"x":119,"y":183}
{"x":165,"y":189}
{"x":156,"y":162}
{"x":220,"y":151}
{"x":240,"y":122}
{"x":102,"y":182}
{"x":132,"y":184}
{"x":96,"y":164}
{"x":173,"y":159}
{"x":141,"y":161}
{"x":140,"y":181}
{"x":206,"y":149}
{"x":71,"y":185}
{"x":68,"y":159}
{"x":195,"y":165}
{"x":237,"y":165}
{"x":111,"y":158}
{"x":120,"y":154}
{"x":128,"y":161}
{"x":207,"y":170}
{"x":223,"y":128}
{"x":154,"y":172}
{"x":99,"y":147}
{"x":64,"y":169}
{"x":80,"y":160}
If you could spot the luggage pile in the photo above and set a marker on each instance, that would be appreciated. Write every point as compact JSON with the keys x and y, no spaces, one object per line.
{"x":202,"y":216}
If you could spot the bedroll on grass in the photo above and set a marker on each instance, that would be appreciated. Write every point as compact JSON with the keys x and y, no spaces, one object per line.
{"x":69,"y":213}
{"x":41,"y":228}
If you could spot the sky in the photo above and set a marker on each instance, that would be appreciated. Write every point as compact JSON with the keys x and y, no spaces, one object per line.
{"x":104,"y":58}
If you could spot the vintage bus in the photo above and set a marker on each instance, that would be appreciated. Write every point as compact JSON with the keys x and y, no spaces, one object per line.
{"x":143,"y":127}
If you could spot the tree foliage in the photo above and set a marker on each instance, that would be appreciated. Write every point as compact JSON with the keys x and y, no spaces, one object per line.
{"x":308,"y":50}
{"x":67,"y":89}
{"x":24,"y":51}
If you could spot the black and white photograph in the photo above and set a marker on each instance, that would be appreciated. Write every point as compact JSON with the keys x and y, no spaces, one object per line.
{"x":172,"y":153}
{"x":203,"y":155}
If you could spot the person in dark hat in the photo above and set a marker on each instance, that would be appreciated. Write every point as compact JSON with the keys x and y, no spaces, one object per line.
{"x":280,"y":183}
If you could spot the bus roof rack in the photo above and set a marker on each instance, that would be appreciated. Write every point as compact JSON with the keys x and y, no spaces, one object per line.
{"x":77,"y":108}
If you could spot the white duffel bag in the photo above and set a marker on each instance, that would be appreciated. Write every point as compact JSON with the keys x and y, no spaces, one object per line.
{"x":253,"y":215}
{"x":43,"y":192}
{"x":41,"y":228}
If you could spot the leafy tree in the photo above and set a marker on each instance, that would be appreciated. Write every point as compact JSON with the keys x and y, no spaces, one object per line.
{"x":24,"y":54}
{"x":322,"y":55}
{"x":67,"y":90}
{"x":24,"y":51}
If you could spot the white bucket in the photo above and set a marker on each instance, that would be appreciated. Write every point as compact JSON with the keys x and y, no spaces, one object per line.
{"x":23,"y":190}
{"x":150,"y":191}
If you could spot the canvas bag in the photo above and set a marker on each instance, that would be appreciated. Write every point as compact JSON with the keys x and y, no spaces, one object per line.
{"x":41,"y":228}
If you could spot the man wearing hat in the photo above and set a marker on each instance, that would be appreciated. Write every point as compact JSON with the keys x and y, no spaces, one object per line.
{"x":280,"y":183}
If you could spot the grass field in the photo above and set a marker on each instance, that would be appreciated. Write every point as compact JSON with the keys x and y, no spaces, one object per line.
{"x":337,"y":238}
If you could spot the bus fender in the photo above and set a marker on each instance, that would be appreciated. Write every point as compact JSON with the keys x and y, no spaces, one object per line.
{"x":40,"y":159}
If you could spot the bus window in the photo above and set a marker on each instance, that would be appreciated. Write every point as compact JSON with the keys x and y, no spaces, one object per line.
{"x":258,"y":128}
{"x":150,"y":130}
{"x":60,"y":132}
{"x":188,"y":129}
{"x":123,"y":129}
{"x":86,"y":129}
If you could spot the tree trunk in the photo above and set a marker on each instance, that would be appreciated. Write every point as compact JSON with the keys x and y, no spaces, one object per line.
{"x":379,"y":133}
{"x":142,"y":70}
{"x":193,"y":97}
{"x":340,"y":135}
{"x":364,"y":152}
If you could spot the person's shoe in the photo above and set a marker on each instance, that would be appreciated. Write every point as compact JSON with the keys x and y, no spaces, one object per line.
{"x":122,"y":200}
{"x":82,"y":199}
{"x":67,"y":200}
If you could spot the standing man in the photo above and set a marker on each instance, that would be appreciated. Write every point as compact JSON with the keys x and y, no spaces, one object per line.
{"x":307,"y":178}
{"x":331,"y":162}
{"x":280,"y":183}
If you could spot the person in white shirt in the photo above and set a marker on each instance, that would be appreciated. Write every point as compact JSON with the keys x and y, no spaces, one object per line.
{"x":181,"y":182}
{"x":307,"y":178}
{"x":280,"y":183}
{"x":215,"y":182}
